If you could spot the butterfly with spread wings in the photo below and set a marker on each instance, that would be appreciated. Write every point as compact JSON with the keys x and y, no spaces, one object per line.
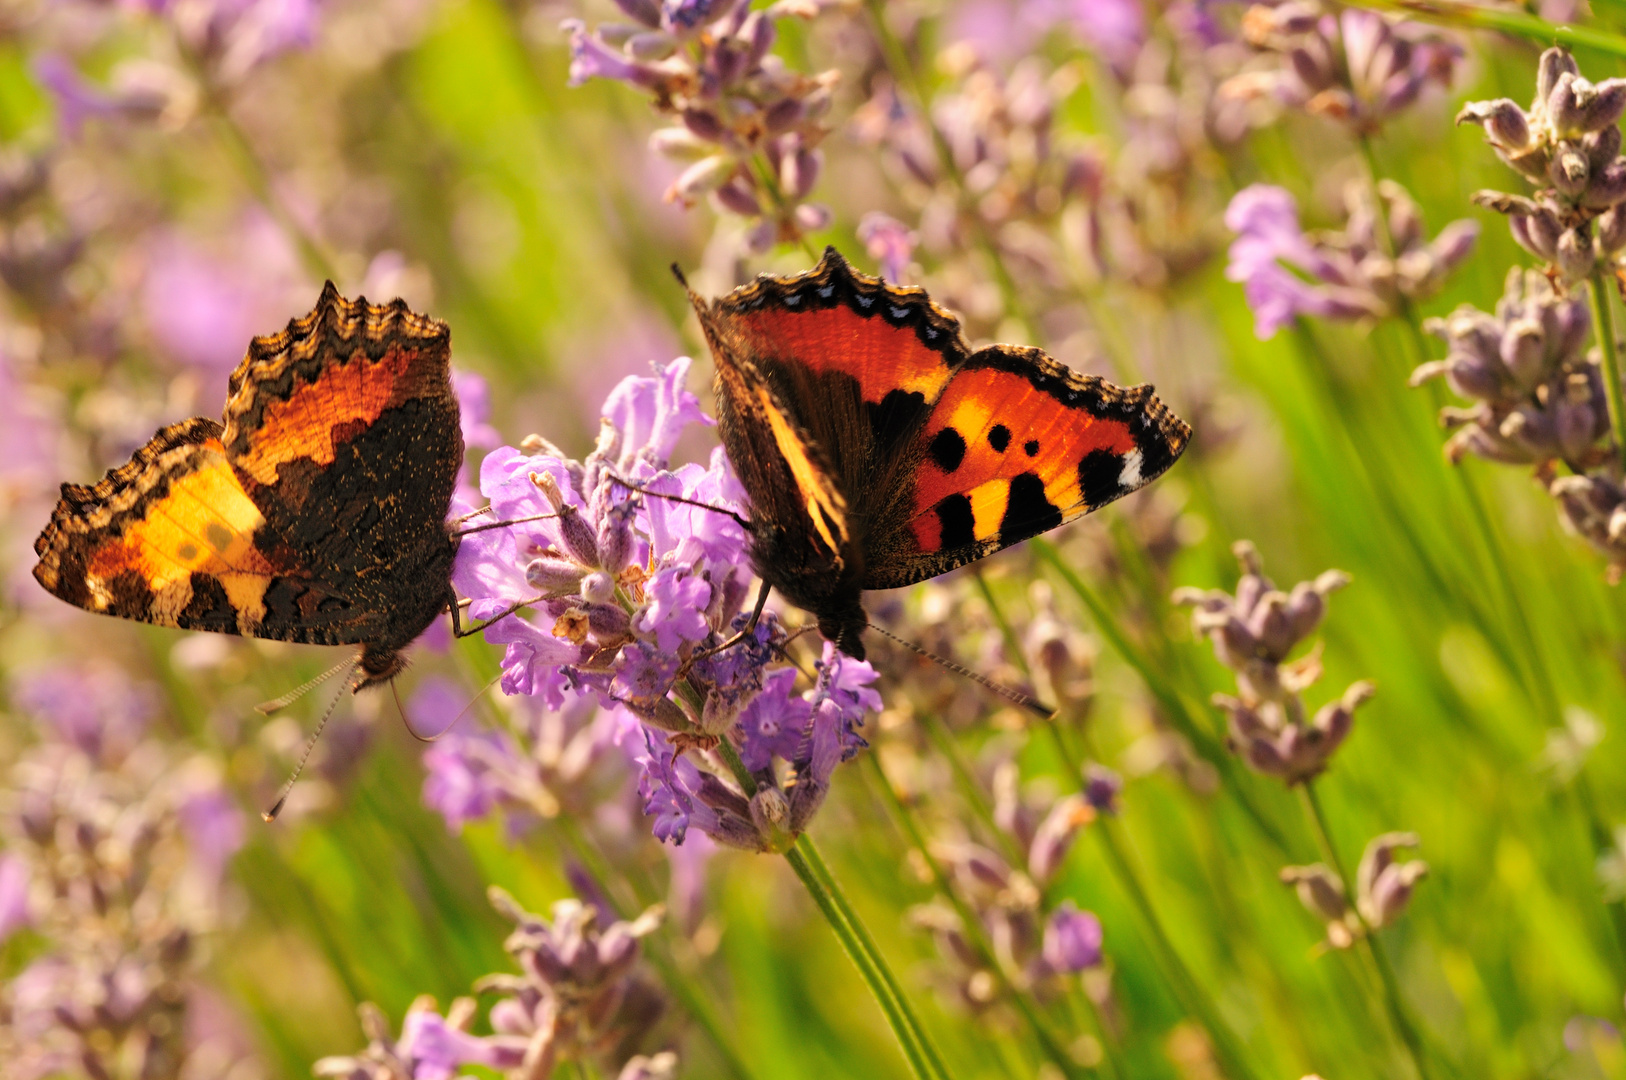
{"x":878,"y":449}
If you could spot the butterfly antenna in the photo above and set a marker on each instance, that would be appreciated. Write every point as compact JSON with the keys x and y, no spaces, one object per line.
{"x":310,"y":744}
{"x":269,"y":707}
{"x":436,"y":737}
{"x":1026,"y":701}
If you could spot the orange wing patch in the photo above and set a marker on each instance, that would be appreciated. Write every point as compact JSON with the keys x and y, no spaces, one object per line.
{"x":883,"y":357}
{"x":1004,"y":458}
{"x":319,"y":415}
{"x":167,"y":539}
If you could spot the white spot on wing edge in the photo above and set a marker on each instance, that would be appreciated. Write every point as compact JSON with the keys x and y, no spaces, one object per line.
{"x":1129,"y":477}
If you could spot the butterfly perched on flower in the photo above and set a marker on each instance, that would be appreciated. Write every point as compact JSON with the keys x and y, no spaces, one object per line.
{"x":315,"y":513}
{"x":879,"y":450}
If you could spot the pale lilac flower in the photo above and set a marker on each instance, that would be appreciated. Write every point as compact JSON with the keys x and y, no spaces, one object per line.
{"x":202,"y":307}
{"x":1357,"y":67}
{"x":213,"y":825}
{"x":1383,"y":889}
{"x":747,"y":127}
{"x":96,"y":709}
{"x":78,"y":100}
{"x":889,"y":242}
{"x":1568,"y":143}
{"x":14,"y":885}
{"x":1287,"y":273}
{"x":1072,"y":939}
{"x":1537,"y":395}
{"x":1253,"y":631}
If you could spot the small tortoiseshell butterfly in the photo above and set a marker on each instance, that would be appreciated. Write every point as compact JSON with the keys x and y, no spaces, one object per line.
{"x":316,"y":513}
{"x":878,"y":450}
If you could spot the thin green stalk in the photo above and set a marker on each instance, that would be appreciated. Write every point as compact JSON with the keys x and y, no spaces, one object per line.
{"x":901,"y":1028}
{"x":1174,"y":706}
{"x":1179,"y":976}
{"x":1013,"y":644}
{"x":1053,"y":1047}
{"x":1394,"y":1004}
{"x":1454,"y":13}
{"x":922,"y":1056}
{"x":1604,"y":325}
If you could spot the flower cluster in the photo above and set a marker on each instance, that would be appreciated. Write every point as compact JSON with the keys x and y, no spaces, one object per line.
{"x":115,"y":853}
{"x":1369,"y":269}
{"x":1036,"y":941}
{"x":1253,"y":631}
{"x":578,"y":998}
{"x":986,"y":168}
{"x":748,"y":126}
{"x":637,"y":593}
{"x":1537,"y":395}
{"x":1383,"y":889}
{"x":1356,"y":67}
{"x":1569,"y":142}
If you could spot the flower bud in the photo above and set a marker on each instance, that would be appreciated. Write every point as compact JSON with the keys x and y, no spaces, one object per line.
{"x":578,"y":535}
{"x":1072,"y":939}
{"x":615,"y":537}
{"x":1611,"y":231}
{"x":647,"y":12}
{"x":1319,"y":890}
{"x":1554,"y":63}
{"x":1054,"y":836}
{"x":1569,"y":170}
{"x":1502,"y":120}
{"x":1384,"y":886}
{"x":680,"y":143}
{"x":598,"y":588}
{"x":811,"y":217}
{"x":700,"y":178}
{"x":1608,"y":187}
{"x":650,"y":47}
{"x":1574,"y":258}
{"x":551,"y":574}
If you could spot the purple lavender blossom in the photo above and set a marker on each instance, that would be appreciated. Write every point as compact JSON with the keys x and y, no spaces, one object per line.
{"x":1287,"y":273}
{"x":14,"y":884}
{"x":630,"y":592}
{"x":889,"y":242}
{"x":1072,"y":939}
{"x":97,"y":710}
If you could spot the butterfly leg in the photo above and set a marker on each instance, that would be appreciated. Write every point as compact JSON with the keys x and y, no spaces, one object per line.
{"x":492,"y":524}
{"x":744,"y":632}
{"x":461,"y":631}
{"x":743,"y":521}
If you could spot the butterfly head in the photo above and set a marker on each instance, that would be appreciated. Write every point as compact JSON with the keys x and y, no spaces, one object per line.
{"x":377,"y":664}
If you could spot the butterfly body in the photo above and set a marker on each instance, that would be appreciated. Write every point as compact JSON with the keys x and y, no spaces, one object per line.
{"x":315,"y":513}
{"x":879,"y":450}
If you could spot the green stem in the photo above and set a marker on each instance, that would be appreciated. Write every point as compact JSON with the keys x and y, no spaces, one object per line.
{"x":1174,"y":706}
{"x":1049,"y":1041}
{"x":1013,"y":644}
{"x":803,"y":857}
{"x":1604,"y":326}
{"x":1175,"y":972}
{"x":1457,"y":14}
{"x":919,"y":1064}
{"x":1394,"y":1004}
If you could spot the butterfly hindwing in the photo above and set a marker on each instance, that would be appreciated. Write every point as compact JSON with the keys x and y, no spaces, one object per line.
{"x":345,"y":431}
{"x":1016,"y":445}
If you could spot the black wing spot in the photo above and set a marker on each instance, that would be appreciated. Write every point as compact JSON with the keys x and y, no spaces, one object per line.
{"x":959,"y":524}
{"x":999,"y":437}
{"x":1031,"y":448}
{"x":948,"y":450}
{"x":896,"y":415}
{"x":1027,"y":512}
{"x":1098,"y":477}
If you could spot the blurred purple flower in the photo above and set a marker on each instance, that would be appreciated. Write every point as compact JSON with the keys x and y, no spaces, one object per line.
{"x":474,"y":403}
{"x":1072,"y":939}
{"x":466,"y":773}
{"x":14,"y":882}
{"x":1114,"y":29}
{"x":1101,"y":788}
{"x":889,"y":242}
{"x":1287,"y":273}
{"x":202,"y":309}
{"x":96,"y":709}
{"x":438,"y":1051}
{"x":29,"y":437}
{"x":213,"y":826}
{"x":235,"y":36}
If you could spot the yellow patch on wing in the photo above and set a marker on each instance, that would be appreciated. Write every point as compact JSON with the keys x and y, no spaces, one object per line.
{"x":826,"y":507}
{"x":205,"y":524}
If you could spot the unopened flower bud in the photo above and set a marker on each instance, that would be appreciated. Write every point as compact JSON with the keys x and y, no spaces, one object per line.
{"x":1319,"y":890}
{"x":1569,"y":170}
{"x":1608,"y":187}
{"x":680,"y":143}
{"x":737,"y":197}
{"x":578,"y":535}
{"x":551,"y":574}
{"x":1502,"y":120}
{"x":1574,"y":257}
{"x":650,"y":47}
{"x":1384,"y":885}
{"x":1611,"y":231}
{"x":700,"y":178}
{"x":1072,"y":939}
{"x":598,"y":587}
